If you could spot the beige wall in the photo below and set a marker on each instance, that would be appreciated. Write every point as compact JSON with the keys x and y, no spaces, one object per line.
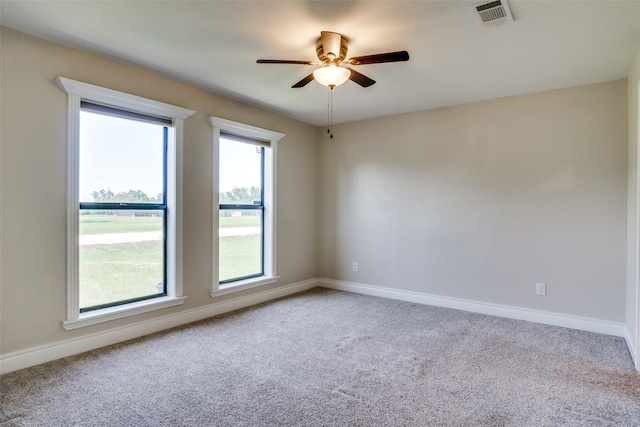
{"x":33,"y":286}
{"x":632,"y":296}
{"x":481,"y":201}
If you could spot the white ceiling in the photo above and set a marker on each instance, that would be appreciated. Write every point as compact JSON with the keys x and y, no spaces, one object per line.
{"x":454,"y":59}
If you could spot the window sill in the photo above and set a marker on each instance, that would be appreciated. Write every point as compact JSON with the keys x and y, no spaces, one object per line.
{"x":242,"y":285}
{"x":118,"y":312}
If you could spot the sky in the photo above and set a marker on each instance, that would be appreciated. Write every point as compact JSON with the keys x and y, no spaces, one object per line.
{"x":123,"y":155}
{"x":239,"y":165}
{"x":120,"y":155}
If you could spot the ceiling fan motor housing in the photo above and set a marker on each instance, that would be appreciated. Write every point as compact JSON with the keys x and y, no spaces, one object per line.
{"x":332,"y":48}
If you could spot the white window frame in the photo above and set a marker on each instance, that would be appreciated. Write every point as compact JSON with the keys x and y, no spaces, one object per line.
{"x":270,"y":203}
{"x":77,"y":91}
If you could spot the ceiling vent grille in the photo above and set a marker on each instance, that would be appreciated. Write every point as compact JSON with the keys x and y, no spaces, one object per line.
{"x":493,"y":13}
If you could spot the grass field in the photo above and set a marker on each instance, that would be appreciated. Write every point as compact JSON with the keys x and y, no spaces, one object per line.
{"x":115,"y":272}
{"x":239,"y":256}
{"x":106,"y":224}
{"x":239,"y":221}
{"x":119,"y":272}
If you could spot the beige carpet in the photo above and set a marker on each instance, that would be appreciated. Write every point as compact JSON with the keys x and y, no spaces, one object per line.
{"x":329,"y":358}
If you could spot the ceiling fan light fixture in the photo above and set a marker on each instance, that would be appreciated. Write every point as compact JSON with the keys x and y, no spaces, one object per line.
{"x":331,"y":75}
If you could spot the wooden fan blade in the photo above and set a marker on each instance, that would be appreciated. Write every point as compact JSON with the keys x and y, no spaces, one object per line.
{"x":380,"y":58}
{"x":283,"y":61}
{"x":304,"y":81}
{"x":361,"y":79}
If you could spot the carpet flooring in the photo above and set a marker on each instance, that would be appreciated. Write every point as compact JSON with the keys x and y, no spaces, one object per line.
{"x":330,"y":358}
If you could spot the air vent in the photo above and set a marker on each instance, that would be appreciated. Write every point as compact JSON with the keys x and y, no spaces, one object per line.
{"x":493,"y":13}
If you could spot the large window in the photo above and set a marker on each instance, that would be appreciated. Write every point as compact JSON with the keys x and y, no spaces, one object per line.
{"x":124,"y":205}
{"x":244,"y":211}
{"x":123,"y":209}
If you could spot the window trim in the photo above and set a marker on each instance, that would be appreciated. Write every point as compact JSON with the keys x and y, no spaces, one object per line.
{"x":76,"y":92}
{"x":269,"y":202}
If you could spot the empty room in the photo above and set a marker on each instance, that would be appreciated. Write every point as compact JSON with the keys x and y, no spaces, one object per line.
{"x":319,"y":213}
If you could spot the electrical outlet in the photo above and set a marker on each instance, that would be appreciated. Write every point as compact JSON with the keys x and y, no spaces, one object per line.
{"x":355,"y":266}
{"x":541,"y":289}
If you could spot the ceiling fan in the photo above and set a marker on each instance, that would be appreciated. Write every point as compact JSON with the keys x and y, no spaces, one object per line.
{"x":331,"y":49}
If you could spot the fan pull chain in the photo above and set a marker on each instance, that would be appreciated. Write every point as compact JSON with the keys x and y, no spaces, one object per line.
{"x":330,"y":112}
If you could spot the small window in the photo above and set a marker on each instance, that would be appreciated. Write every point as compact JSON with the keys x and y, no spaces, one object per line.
{"x":241,"y":240}
{"x":244,"y":214}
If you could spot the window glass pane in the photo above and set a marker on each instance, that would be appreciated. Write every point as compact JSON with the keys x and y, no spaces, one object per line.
{"x":240,"y":244}
{"x":240,"y":173}
{"x":121,"y":255}
{"x":121,"y":160}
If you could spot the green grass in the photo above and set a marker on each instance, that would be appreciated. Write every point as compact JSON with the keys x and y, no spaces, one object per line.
{"x":106,"y":224}
{"x":239,"y":221}
{"x":239,"y":256}
{"x":119,"y":272}
{"x":122,"y":271}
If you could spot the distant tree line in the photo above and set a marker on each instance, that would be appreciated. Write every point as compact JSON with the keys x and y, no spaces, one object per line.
{"x":235,"y":196}
{"x":240,"y":196}
{"x":131,"y":196}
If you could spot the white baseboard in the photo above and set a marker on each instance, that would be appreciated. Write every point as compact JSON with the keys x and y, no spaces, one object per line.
{"x":48,"y":352}
{"x":547,"y":318}
{"x":632,"y":349}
